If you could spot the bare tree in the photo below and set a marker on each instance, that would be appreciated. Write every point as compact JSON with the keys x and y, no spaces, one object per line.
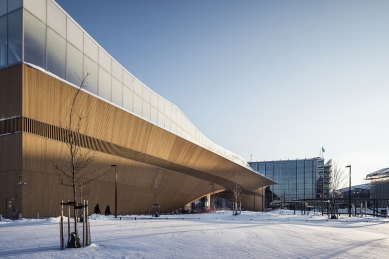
{"x":237,"y":192}
{"x":78,"y":170}
{"x":338,"y":179}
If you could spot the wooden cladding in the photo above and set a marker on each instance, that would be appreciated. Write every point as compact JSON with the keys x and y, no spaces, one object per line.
{"x":60,"y":134}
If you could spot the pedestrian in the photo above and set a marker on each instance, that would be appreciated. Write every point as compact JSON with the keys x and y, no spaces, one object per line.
{"x":97,"y":209}
{"x":107,"y":211}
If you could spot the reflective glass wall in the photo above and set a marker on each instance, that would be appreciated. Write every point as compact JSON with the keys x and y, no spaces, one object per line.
{"x":296,"y":179}
{"x":56,"y":43}
{"x":11,"y":28}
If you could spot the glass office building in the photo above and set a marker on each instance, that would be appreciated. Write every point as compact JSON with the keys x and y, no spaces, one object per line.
{"x":40,"y":33}
{"x":296,"y":179}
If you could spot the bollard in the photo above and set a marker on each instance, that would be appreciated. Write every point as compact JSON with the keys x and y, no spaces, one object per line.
{"x":20,"y":215}
{"x":37,"y":216}
{"x":1,"y":217}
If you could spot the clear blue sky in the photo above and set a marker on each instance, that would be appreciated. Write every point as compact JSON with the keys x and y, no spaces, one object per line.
{"x":275,"y":79}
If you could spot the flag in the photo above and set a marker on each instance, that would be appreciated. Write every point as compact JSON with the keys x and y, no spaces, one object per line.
{"x":322,"y":149}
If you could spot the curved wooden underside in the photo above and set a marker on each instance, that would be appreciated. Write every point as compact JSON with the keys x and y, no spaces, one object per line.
{"x":138,"y":148}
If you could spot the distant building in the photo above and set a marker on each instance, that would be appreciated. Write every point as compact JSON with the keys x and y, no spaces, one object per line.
{"x":379,"y":186}
{"x":357,"y":191}
{"x":297,"y":179}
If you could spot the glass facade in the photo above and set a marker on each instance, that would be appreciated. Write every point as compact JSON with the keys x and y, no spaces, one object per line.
{"x":41,"y":33}
{"x":379,"y":186}
{"x":296,"y":179}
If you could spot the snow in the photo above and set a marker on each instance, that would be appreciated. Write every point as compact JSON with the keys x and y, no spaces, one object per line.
{"x":277,"y":234}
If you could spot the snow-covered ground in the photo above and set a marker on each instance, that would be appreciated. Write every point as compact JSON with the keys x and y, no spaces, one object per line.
{"x":216,"y":235}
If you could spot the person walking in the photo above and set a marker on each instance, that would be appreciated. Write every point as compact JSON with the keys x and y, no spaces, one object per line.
{"x":107,"y":211}
{"x":97,"y":209}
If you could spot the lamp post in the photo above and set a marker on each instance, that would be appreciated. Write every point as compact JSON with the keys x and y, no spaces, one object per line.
{"x":8,"y":202}
{"x":116,"y":192}
{"x":349,"y":192}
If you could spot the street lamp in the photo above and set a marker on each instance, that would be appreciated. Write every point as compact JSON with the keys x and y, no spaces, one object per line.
{"x":8,"y":203}
{"x":349,"y":192}
{"x":116,"y":192}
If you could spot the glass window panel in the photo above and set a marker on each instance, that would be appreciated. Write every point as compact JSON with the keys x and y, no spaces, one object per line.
{"x":74,"y":65}
{"x":137,"y":87}
{"x":92,"y":81}
{"x":154,"y":99}
{"x":138,"y":105}
{"x":168,"y":109}
{"x":3,"y":7}
{"x":74,"y":34}
{"x":104,"y":60}
{"x":146,"y":110}
{"x":91,"y":49}
{"x":14,"y":4}
{"x":104,"y":84}
{"x":128,"y":98}
{"x":168,"y":123}
{"x":128,"y":79}
{"x":174,"y":114}
{"x":15,"y":37}
{"x":56,"y":53}
{"x":117,"y":70}
{"x":161,"y":120}
{"x":161,"y":104}
{"x":56,"y":18}
{"x":117,"y":92}
{"x":3,"y":41}
{"x":34,"y":40}
{"x":154,"y":115}
{"x":37,"y":8}
{"x":146,"y":93}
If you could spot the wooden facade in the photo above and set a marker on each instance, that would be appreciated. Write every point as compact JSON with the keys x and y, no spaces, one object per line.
{"x":34,"y":111}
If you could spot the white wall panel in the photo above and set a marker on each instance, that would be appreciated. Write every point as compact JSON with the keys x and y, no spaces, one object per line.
{"x":154,"y":115}
{"x":104,"y":60}
{"x":104,"y":84}
{"x":117,"y":92}
{"x":75,"y":35}
{"x":56,"y":18}
{"x":146,"y":110}
{"x":91,"y":49}
{"x":117,"y":70}
{"x":146,"y":93}
{"x":74,"y":65}
{"x":138,"y":87}
{"x":92,"y":81}
{"x":138,"y":105}
{"x":128,"y":79}
{"x":34,"y":40}
{"x":128,"y":99}
{"x":37,"y":8}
